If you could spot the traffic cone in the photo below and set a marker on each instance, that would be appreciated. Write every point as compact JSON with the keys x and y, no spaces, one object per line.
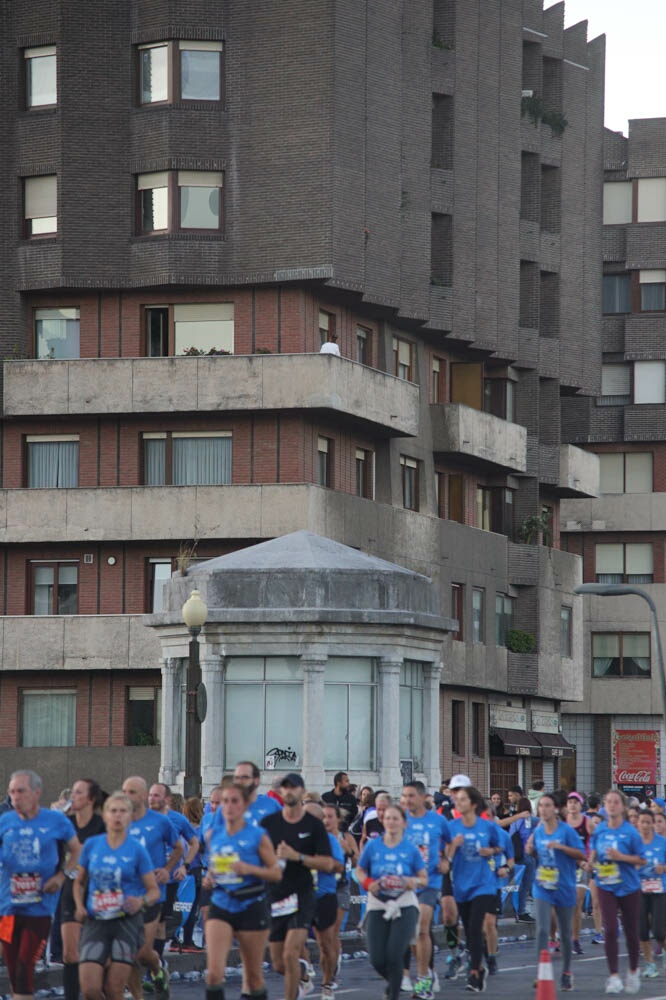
{"x":545,"y":988}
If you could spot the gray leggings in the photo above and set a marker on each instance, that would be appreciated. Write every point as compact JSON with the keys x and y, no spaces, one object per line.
{"x":387,"y":942}
{"x":564,"y":916}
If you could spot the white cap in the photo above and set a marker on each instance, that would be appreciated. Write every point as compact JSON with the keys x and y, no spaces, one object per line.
{"x":460,"y":781}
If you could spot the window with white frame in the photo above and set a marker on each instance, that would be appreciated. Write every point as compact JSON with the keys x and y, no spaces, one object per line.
{"x":57,"y":334}
{"x":52,"y":461}
{"x":653,"y":290}
{"x":649,"y":382}
{"x":350,"y":696}
{"x":269,"y":691}
{"x":180,"y":71}
{"x":187,"y":458}
{"x":40,"y":205}
{"x":620,"y":562}
{"x":625,"y":472}
{"x":48,"y":718}
{"x":651,"y":199}
{"x":615,"y":385}
{"x":412,"y":690}
{"x":618,"y":202}
{"x":41,"y":83}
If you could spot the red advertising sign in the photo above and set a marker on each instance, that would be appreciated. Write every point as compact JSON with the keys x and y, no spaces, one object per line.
{"x":636,"y":756}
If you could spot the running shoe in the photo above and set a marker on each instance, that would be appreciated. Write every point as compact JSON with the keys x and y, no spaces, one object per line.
{"x":147,"y":985}
{"x":577,"y":950}
{"x":305,"y":988}
{"x":566,"y":982}
{"x":327,"y":992}
{"x":475,"y":984}
{"x":525,"y":918}
{"x":650,"y":971}
{"x":161,"y":984}
{"x":492,"y":965}
{"x":406,"y":984}
{"x":632,"y":982}
{"x":423,"y":988}
{"x":453,"y":963}
{"x":435,"y":981}
{"x":614,"y":985}
{"x":598,"y":938}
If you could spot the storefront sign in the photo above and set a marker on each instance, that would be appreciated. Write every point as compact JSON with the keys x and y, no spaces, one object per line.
{"x":545,"y":722}
{"x":505,"y":717}
{"x":636,"y":757}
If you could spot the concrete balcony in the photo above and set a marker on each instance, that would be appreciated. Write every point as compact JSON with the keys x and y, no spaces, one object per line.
{"x":579,"y":472}
{"x":616,"y":512}
{"x":474,"y":436}
{"x":258,"y":382}
{"x":78,"y":642}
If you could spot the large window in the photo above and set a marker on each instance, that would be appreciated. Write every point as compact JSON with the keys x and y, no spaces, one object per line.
{"x":268,"y":693}
{"x":55,"y":588}
{"x":57,"y":334}
{"x":619,"y":562}
{"x":566,"y":631}
{"x":617,"y":293}
{"x":52,"y":461}
{"x":41,"y":89}
{"x":187,"y":458}
{"x":625,"y":472}
{"x":192,"y":329}
{"x":144,"y":716}
{"x":615,"y":385}
{"x":478,"y":614}
{"x":48,"y":718}
{"x":649,"y":382}
{"x":504,"y":610}
{"x":623,"y":654}
{"x":411,"y":713}
{"x":196,"y":193}
{"x":40,"y":205}
{"x":186,"y":71}
{"x":350,"y":698}
{"x":409,"y":470}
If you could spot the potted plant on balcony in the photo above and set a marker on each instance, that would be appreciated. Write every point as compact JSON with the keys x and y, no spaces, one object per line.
{"x":518,"y":641}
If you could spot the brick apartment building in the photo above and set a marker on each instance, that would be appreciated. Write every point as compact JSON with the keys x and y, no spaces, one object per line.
{"x":195,"y":197}
{"x":618,"y":727}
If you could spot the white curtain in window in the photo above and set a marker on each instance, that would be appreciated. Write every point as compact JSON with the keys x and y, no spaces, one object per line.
{"x":53,"y":464}
{"x":638,"y":557}
{"x":636,"y":648}
{"x":605,"y":652}
{"x":154,"y":458}
{"x":49,"y":719}
{"x":201,"y":461}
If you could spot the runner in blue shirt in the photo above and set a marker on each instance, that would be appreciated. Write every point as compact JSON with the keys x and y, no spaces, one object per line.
{"x":429,"y":832}
{"x":616,"y":850}
{"x":159,"y":798}
{"x":473,"y":842}
{"x":653,"y":891}
{"x":326,"y":911}
{"x":241,"y":860}
{"x":115,"y":882}
{"x":502,"y":865}
{"x":557,"y":850}
{"x":248,"y":774}
{"x":31,"y":876}
{"x":391,"y":869}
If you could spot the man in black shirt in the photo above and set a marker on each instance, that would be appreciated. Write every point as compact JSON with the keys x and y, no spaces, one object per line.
{"x":341,"y":796}
{"x":302,"y":845}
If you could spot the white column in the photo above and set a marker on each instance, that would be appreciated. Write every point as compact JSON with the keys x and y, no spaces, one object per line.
{"x":388,"y":724}
{"x":171,"y":714}
{"x":212,"y":730}
{"x":432,"y":673}
{"x":314,"y":668}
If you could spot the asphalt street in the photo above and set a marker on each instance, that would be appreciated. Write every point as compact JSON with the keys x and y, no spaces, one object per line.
{"x":518,"y":967}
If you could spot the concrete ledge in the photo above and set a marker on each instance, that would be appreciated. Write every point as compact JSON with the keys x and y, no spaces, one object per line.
{"x":468,"y":433}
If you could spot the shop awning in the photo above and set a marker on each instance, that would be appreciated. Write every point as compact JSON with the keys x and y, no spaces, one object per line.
{"x":555,"y":745}
{"x":514,"y":743}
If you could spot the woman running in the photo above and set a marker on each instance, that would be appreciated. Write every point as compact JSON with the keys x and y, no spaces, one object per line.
{"x":473,"y":842}
{"x":616,"y":850}
{"x":87,"y":800}
{"x":557,"y":850}
{"x":115,"y":881}
{"x":241,"y":860}
{"x":350,"y":851}
{"x":653,"y":892}
{"x":578,"y":823}
{"x":373,"y":826}
{"x":390,"y":869}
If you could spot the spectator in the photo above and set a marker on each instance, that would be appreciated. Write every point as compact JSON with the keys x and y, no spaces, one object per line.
{"x":535,"y":793}
{"x":331,"y":345}
{"x":341,"y":796}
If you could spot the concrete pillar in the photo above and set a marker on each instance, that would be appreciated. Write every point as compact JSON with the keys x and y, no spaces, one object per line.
{"x":212,"y":729}
{"x":388,"y":724}
{"x":314,"y":669}
{"x":432,"y":673}
{"x":171,"y":720}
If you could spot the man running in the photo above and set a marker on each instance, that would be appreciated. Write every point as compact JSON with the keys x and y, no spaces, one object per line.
{"x":248,"y":774}
{"x":302,"y":846}
{"x":158,"y":800}
{"x":161,"y":841}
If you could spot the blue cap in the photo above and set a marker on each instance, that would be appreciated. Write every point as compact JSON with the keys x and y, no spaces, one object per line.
{"x":660,"y":802}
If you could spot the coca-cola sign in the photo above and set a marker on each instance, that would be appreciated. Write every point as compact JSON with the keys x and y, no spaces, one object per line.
{"x":636,"y":757}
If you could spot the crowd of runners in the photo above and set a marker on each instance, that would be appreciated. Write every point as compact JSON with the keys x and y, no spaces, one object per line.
{"x":273,"y":870}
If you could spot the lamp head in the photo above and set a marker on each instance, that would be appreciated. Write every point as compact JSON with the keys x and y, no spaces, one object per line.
{"x":194,"y":611}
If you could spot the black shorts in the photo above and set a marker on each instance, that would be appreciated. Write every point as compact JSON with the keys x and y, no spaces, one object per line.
{"x":326,"y":911}
{"x":67,"y":906}
{"x":167,"y":905}
{"x":152,"y":913}
{"x":205,"y":897}
{"x":498,"y":904}
{"x":300,"y":920}
{"x":254,"y":918}
{"x":447,"y":885}
{"x":118,"y":940}
{"x":652,"y":916}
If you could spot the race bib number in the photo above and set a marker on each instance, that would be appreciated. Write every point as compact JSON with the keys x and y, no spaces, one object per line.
{"x":25,"y":889}
{"x":424,"y":851}
{"x":221,"y":866}
{"x":547,"y":878}
{"x":284,"y":907}
{"x":608,"y":873}
{"x":107,"y":904}
{"x":392,"y":886}
{"x":652,"y":885}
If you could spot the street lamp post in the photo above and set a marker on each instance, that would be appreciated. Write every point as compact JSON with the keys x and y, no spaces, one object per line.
{"x":194,"y":615}
{"x":621,"y":590}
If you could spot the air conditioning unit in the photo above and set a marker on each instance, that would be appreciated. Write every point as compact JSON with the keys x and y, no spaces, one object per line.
{"x":88,"y":558}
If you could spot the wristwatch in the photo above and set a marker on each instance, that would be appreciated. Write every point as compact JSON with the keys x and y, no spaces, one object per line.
{"x":301,"y":858}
